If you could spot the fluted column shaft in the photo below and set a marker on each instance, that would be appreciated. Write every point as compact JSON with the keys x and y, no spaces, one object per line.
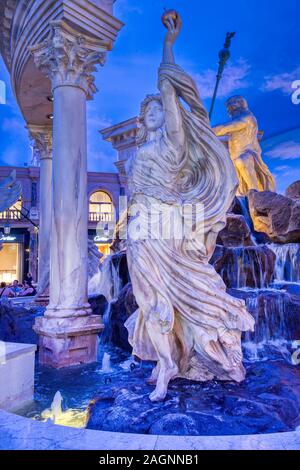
{"x":42,"y":147}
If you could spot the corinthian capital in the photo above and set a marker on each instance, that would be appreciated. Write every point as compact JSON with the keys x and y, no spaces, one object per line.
{"x":69,"y":58}
{"x":41,"y":137}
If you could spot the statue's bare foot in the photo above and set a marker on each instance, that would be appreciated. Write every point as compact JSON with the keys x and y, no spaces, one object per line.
{"x":164,"y":377}
{"x":154,"y":375}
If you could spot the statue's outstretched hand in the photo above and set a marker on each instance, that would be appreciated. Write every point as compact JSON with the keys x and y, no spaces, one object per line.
{"x":173,"y":27}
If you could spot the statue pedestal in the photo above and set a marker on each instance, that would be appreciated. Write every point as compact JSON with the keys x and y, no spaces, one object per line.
{"x":68,"y":341}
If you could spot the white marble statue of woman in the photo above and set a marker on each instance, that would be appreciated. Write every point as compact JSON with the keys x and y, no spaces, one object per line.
{"x":186,"y":322}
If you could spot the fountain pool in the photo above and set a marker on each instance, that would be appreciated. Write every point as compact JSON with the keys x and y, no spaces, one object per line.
{"x":268,"y":401}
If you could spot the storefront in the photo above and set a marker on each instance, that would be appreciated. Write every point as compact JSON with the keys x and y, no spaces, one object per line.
{"x":14,"y":255}
{"x":102,"y":243}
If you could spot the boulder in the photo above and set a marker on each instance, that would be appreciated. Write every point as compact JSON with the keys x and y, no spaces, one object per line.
{"x":176,"y":424}
{"x":276,"y":215}
{"x":16,"y":322}
{"x":236,"y":232}
{"x":268,"y":400}
{"x":98,"y":304}
{"x":293,"y":190}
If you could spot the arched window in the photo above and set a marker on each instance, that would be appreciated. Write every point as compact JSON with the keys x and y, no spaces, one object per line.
{"x":100,"y":207}
{"x":13,"y":213}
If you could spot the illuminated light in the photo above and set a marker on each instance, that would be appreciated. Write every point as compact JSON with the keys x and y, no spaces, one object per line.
{"x":71,"y":418}
{"x":50,"y":116}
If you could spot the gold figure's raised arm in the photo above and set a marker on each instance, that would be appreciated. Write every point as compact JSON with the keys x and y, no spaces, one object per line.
{"x":173,"y":119}
{"x":230,"y":127}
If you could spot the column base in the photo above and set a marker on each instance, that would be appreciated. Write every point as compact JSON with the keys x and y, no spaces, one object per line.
{"x":69,"y":341}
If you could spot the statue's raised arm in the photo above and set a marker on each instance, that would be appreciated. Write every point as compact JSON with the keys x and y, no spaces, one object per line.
{"x":173,"y":119}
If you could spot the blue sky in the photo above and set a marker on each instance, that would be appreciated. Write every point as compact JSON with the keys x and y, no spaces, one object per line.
{"x":263,"y":66}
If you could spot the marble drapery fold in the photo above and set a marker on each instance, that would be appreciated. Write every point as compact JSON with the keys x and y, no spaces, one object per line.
{"x":172,"y":279}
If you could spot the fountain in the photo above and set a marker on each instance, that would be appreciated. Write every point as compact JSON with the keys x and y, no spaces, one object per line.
{"x":287,"y":266}
{"x":106,"y":367}
{"x":70,"y":417}
{"x":113,"y":393}
{"x":55,"y":411}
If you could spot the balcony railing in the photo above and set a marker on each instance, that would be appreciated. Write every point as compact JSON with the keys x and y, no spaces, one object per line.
{"x":93,"y":216}
{"x":100,"y":216}
{"x":11,"y":214}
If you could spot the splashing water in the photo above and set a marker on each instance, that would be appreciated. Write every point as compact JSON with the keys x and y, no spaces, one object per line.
{"x":71,"y":417}
{"x":247,"y":266}
{"x":287,"y":266}
{"x":110,"y":283}
{"x":269,"y":310}
{"x":56,"y":408}
{"x":106,"y":367}
{"x":55,"y":412}
{"x":245,"y":210}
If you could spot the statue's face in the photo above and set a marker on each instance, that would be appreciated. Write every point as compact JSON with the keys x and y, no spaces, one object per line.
{"x":236,"y":106}
{"x":154,"y":116}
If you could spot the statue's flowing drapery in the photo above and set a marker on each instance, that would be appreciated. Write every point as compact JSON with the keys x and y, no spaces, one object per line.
{"x":265,"y":179}
{"x":172,"y":278}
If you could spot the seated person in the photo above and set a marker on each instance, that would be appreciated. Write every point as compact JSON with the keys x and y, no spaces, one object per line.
{"x":5,"y":291}
{"x":15,"y":287}
{"x":27,"y":290}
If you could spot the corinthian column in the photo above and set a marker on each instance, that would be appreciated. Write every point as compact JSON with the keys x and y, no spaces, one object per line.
{"x":68,"y":331}
{"x":42,"y":148}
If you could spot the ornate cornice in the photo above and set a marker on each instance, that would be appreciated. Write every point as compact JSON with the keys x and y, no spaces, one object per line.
{"x":7,"y":10}
{"x":69,"y":58}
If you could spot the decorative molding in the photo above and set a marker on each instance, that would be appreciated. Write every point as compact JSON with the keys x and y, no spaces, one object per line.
{"x":68,"y":58}
{"x":7,"y":11}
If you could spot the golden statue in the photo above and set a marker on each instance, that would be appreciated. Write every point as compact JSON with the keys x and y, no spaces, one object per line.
{"x":244,"y":147}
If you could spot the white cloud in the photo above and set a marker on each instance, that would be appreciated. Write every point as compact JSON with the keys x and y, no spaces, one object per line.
{"x":289,"y":150}
{"x":234,"y":78}
{"x":280,"y":168}
{"x":281,"y":81}
{"x":127,"y":6}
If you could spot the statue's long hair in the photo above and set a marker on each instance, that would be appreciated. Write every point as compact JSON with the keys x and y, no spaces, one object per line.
{"x":142,"y":133}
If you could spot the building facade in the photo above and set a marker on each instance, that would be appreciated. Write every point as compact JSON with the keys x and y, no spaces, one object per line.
{"x":19,"y":224}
